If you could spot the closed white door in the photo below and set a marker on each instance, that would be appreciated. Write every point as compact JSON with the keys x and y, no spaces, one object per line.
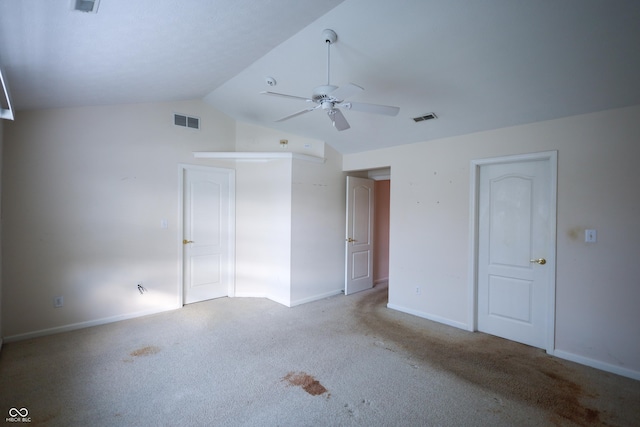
{"x":359,"y":239}
{"x":208,"y":197}
{"x":516,"y":247}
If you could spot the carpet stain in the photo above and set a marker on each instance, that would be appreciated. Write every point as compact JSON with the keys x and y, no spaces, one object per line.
{"x":145,"y":351}
{"x":306,"y":381}
{"x":500,"y":366}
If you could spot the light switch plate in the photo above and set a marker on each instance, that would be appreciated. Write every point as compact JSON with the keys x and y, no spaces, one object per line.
{"x":590,"y":236}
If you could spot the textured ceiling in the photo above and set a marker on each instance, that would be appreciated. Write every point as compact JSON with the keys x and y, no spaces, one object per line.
{"x":478,"y":65}
{"x":140,"y":50}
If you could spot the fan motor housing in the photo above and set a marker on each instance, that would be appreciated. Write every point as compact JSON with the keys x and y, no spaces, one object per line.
{"x":322,"y":92}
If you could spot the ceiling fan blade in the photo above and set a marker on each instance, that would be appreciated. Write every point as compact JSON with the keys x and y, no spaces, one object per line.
{"x":290,"y":116}
{"x":282,"y":95}
{"x":338,"y":120}
{"x":346,"y":91}
{"x":371,"y":108}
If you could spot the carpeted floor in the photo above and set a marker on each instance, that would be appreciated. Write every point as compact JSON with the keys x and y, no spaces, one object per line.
{"x":337,"y":362}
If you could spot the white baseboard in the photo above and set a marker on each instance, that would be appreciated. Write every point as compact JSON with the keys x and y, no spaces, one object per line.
{"x":317,"y":297}
{"x":87,"y":324}
{"x":288,"y":303}
{"x":428,"y":316}
{"x":283,"y":301}
{"x":262,"y":295}
{"x":249,"y":295}
{"x":603,"y":366}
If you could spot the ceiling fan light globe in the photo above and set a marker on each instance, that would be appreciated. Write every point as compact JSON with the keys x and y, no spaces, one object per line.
{"x":327,"y":105}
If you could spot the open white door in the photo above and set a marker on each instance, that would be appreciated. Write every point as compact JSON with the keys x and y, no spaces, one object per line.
{"x":516,"y":250}
{"x":359,"y":238}
{"x":208,"y":224}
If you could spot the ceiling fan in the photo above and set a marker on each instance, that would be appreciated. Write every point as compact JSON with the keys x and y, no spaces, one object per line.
{"x":329,"y":98}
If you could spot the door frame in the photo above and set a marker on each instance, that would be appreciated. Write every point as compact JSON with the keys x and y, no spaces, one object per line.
{"x":552,"y":157}
{"x":182,"y":169}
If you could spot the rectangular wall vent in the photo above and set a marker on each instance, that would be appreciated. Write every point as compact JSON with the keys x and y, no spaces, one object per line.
{"x":186,"y":121}
{"x":90,"y":6}
{"x":429,"y":116}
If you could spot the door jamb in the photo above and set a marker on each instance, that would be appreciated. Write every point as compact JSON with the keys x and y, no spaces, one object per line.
{"x":182,"y":168}
{"x":472,"y":303}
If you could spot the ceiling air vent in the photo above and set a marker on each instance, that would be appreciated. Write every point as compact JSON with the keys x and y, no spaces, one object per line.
{"x":186,"y":121}
{"x":429,"y":116}
{"x":90,"y":6}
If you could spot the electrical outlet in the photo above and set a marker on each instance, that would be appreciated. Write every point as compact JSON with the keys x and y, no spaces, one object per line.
{"x":58,"y":302}
{"x":417,"y":290}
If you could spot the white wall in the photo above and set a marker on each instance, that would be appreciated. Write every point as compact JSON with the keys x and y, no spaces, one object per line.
{"x":318,"y":227}
{"x":289,"y":219}
{"x":85,"y":190}
{"x":261,"y":139}
{"x":597,"y":285}
{"x":263,"y":229}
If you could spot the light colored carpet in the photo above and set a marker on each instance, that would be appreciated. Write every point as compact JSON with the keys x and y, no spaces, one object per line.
{"x":337,"y":362}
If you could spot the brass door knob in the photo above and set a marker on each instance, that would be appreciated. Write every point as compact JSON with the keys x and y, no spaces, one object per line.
{"x":185,"y":241}
{"x":350,"y":240}
{"x":540,"y":261}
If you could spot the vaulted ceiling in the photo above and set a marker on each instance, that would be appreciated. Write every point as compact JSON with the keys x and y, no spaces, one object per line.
{"x":477,"y":65}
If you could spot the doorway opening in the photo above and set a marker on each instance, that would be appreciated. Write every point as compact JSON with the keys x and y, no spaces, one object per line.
{"x":381,"y":231}
{"x":368,"y":202}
